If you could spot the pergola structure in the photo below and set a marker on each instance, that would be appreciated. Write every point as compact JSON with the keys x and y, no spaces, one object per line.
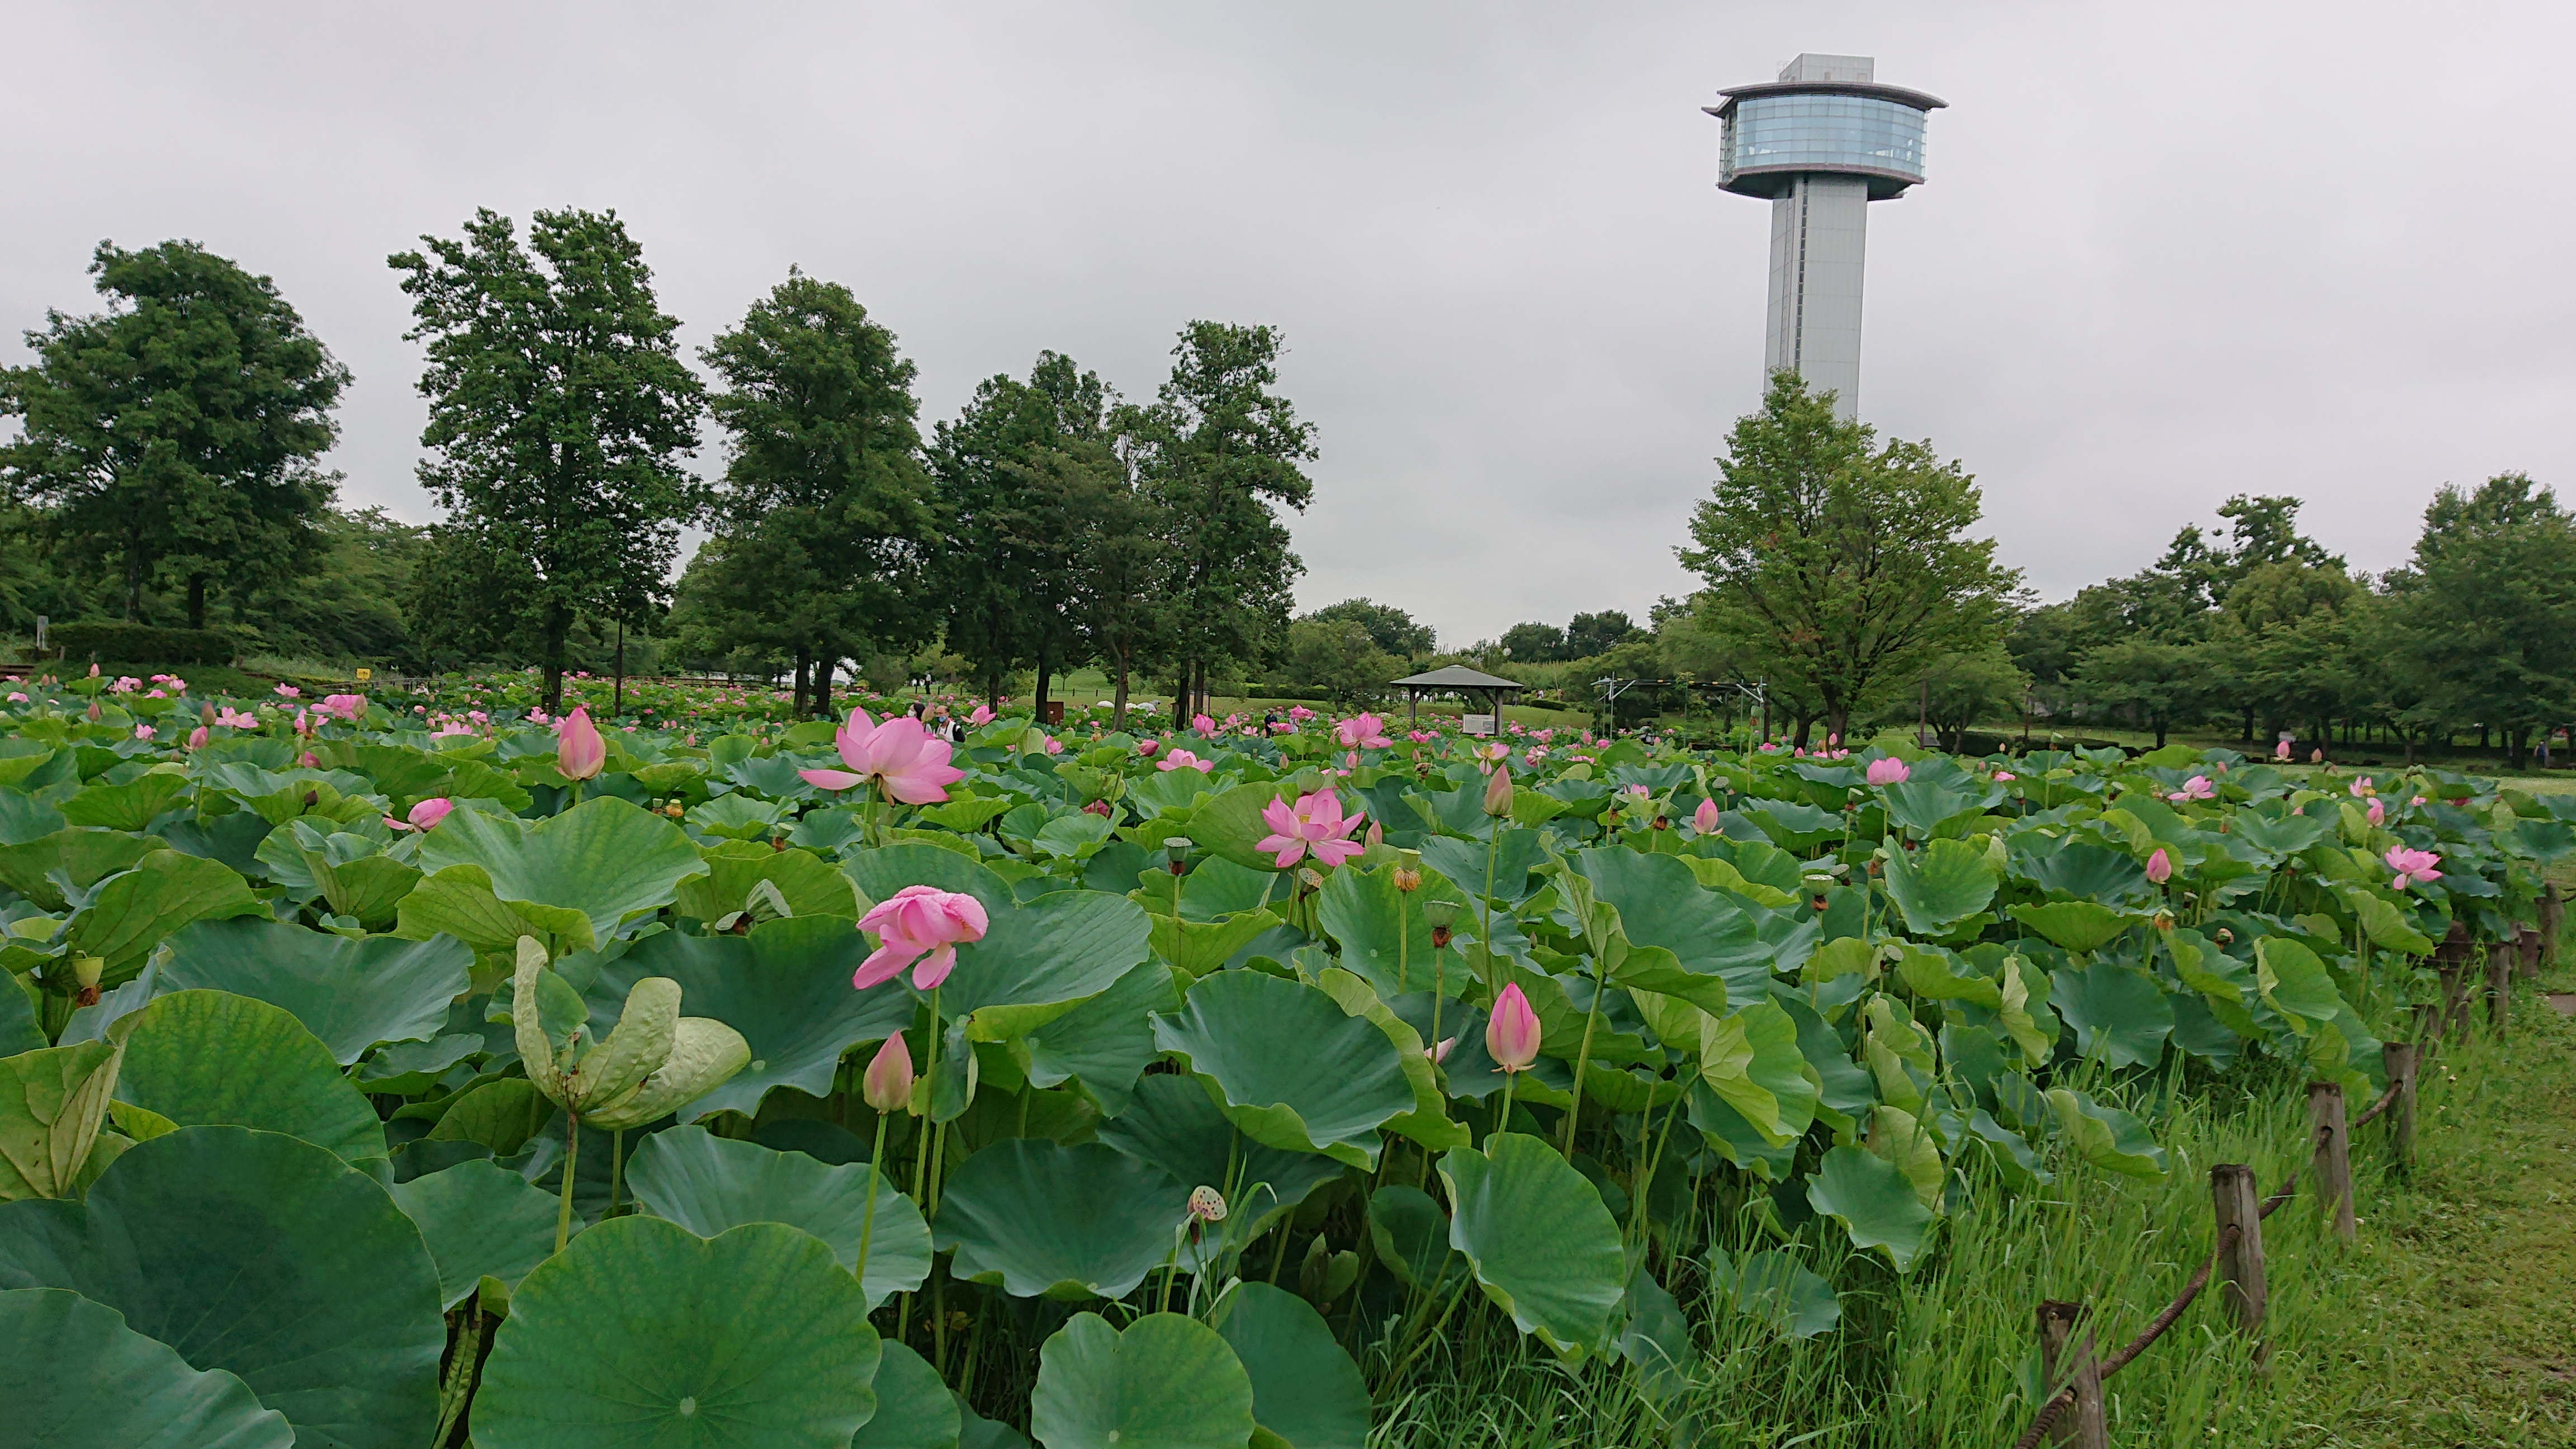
{"x":1459,"y":680}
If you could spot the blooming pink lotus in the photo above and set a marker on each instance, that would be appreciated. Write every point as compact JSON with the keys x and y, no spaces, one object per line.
{"x":1704,"y":819}
{"x":919,"y":923}
{"x":905,"y":760}
{"x":2360,"y":787}
{"x":1361,"y":732}
{"x":1184,"y":760}
{"x":424,"y":815}
{"x":1511,"y":1033}
{"x":1887,"y":770}
{"x":1202,"y":724}
{"x":2160,"y":866}
{"x":143,"y":732}
{"x":579,"y":751}
{"x":1148,"y":747}
{"x":983,"y":715}
{"x":1300,"y":713}
{"x":287,"y":691}
{"x":2002,"y":776}
{"x":2411,"y":865}
{"x":2377,"y":812}
{"x":346,"y":706}
{"x":1314,"y":823}
{"x":2195,"y":788}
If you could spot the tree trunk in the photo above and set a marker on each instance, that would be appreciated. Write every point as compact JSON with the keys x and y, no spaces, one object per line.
{"x":558,"y":628}
{"x":196,"y":601}
{"x":2248,"y":736}
{"x":619,"y":706}
{"x":2160,"y":732}
{"x":1799,"y":741}
{"x":796,"y":704}
{"x":824,"y":664}
{"x":1118,"y":710}
{"x":1046,"y":671}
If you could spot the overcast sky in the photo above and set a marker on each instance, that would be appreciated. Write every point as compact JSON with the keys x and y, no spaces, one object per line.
{"x":2166,"y":253}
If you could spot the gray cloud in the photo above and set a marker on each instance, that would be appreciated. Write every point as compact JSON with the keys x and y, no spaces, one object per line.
{"x":2165,"y":254}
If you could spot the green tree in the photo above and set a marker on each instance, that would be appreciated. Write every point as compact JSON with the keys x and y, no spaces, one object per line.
{"x":825,"y":507}
{"x":1534,"y":643}
{"x":1389,"y":628}
{"x":1218,"y":450}
{"x":2480,"y":612}
{"x":177,"y":432}
{"x":1958,"y":692}
{"x":2155,"y":685}
{"x":1339,"y":657}
{"x":560,"y":411}
{"x":1845,"y":562}
{"x":1588,"y":635}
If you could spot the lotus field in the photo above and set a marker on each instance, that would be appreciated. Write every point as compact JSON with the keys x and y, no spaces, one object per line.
{"x":832,"y":1086}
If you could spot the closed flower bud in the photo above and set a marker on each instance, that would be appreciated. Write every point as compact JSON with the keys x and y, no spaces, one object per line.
{"x":888,"y":1083}
{"x":1498,"y":792}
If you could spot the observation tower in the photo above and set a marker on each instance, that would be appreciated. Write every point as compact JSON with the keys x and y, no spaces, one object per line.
{"x":1822,"y":142}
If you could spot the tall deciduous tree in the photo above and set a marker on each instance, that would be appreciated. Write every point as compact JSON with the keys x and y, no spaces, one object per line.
{"x":2482,"y":609}
{"x":825,"y":516}
{"x":1844,"y":562}
{"x":560,"y":413}
{"x":1389,"y":628}
{"x":1220,"y":450}
{"x":175,"y":434}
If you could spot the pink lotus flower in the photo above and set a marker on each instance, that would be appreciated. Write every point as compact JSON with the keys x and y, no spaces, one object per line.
{"x":1511,"y":1033}
{"x":2281,"y":751}
{"x":580,"y":753}
{"x":2159,"y":866}
{"x":2377,"y":812}
{"x":906,"y":761}
{"x":983,"y":715}
{"x":1202,"y":724}
{"x":2360,"y":787}
{"x":1300,"y":713}
{"x":286,"y":691}
{"x":16,"y":698}
{"x":143,"y":732}
{"x":197,"y":738}
{"x":887,"y":1083}
{"x":1314,"y":823}
{"x":1704,"y":819}
{"x":1148,"y":747}
{"x":919,"y":923}
{"x":1887,"y":770}
{"x":2001,"y":776}
{"x":1184,"y":760}
{"x":1489,"y":754}
{"x":2195,"y":788}
{"x":346,"y":706}
{"x":1054,"y":746}
{"x":1440,"y":1053}
{"x":2415,"y":865}
{"x":1362,"y":732}
{"x":422,"y":816}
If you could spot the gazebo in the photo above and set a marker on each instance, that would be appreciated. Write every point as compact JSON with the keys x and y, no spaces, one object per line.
{"x":1460,"y":680}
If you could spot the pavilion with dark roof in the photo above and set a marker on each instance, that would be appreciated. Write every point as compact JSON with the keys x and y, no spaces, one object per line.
{"x":1462,"y":681}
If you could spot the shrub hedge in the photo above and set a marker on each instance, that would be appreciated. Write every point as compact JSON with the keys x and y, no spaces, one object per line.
{"x":141,"y":643}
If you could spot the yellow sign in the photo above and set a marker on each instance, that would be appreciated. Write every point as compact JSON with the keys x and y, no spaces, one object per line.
{"x":362,"y":676}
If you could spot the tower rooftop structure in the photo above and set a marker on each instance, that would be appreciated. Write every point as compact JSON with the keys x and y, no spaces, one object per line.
{"x":1821,"y":143}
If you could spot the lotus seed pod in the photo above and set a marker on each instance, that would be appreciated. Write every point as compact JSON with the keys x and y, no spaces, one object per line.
{"x":1207,"y":1205}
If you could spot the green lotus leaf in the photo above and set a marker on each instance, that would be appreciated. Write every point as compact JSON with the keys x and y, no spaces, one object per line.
{"x":353,"y":994}
{"x":52,"y":1102}
{"x":1723,"y":875}
{"x":206,"y":1058}
{"x":459,"y":902}
{"x":261,"y":1255}
{"x":480,"y":1221}
{"x":1940,"y":885}
{"x":1774,"y":1290}
{"x":1199,"y":947}
{"x":2295,"y":983}
{"x":585,"y":1361}
{"x":1544,"y":1248}
{"x":811,"y":885}
{"x":501,"y":1114}
{"x":77,"y":1378}
{"x":736,"y":816}
{"x":1171,"y":1124}
{"x":1874,"y":1202}
{"x":1103,"y":1043}
{"x":80,"y":858}
{"x":1933,"y":974}
{"x":784,"y":985}
{"x":2078,"y":926}
{"x":1901,"y":1138}
{"x":914,"y":1409}
{"x":2106,"y":1136}
{"x":1655,"y":1337}
{"x":2120,"y":1013}
{"x":1287,"y":1066}
{"x":878,"y":874}
{"x":2080,"y":870}
{"x":1411,"y":1237}
{"x":1060,"y":948}
{"x":1306,"y":1392}
{"x":1168,"y":1382}
{"x":2386,"y":924}
{"x":1921,"y":804}
{"x":606,"y":858}
{"x":20,"y":1031}
{"x":2285,"y":836}
{"x":1361,"y":910}
{"x":1751,"y":1061}
{"x":709,"y":1184}
{"x":1044,"y":1219}
{"x":2026,"y":1015}
{"x":129,"y":806}
{"x":1660,"y":903}
{"x":409,"y":1068}
{"x":1231,"y":825}
{"x":140,"y":909}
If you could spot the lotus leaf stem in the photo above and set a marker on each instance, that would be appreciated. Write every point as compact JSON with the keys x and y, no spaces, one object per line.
{"x":868,"y":1218}
{"x":572,"y":1156}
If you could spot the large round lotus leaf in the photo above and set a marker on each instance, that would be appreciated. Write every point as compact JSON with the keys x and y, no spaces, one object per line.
{"x":1305,"y":1390}
{"x":1103,"y":1043}
{"x":2077,"y":926}
{"x":1287,"y":1066}
{"x":879,"y":873}
{"x":785,"y":986}
{"x":709,"y":1184}
{"x":2120,"y":1014}
{"x":1775,"y":1290}
{"x":914,"y":1409}
{"x":1940,"y":885}
{"x":642,"y":1332}
{"x":75,"y":1377}
{"x":809,"y":884}
{"x":1039,"y":1217}
{"x":1920,"y":804}
{"x":352,"y":994}
{"x":502,"y":1114}
{"x":606,"y":858}
{"x":1544,"y":1248}
{"x":480,"y":1221}
{"x":18,"y":1029}
{"x":203,"y":1058}
{"x":1661,"y":903}
{"x":138,"y":910}
{"x":1411,"y":1236}
{"x":1058,"y":948}
{"x":261,"y":1255}
{"x":1873,"y":1200}
{"x":2088,"y":872}
{"x":52,"y":1103}
{"x":1168,"y":1382}
{"x":1171,"y":1124}
{"x":1381,"y":929}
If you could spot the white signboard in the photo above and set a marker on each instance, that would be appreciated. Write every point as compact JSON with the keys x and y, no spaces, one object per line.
{"x":1478,"y":724}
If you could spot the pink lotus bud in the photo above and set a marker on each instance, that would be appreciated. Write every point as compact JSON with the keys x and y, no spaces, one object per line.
{"x":1440,"y":1053}
{"x":1511,"y":1033}
{"x":2159,"y":867}
{"x":1498,"y":792}
{"x":429,"y":812}
{"x":2377,"y":811}
{"x":197,"y":739}
{"x":1704,"y":819}
{"x":1887,"y":770}
{"x":579,"y":751}
{"x":887,"y":1084}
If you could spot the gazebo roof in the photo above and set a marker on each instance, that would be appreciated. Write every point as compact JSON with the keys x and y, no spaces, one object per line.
{"x":1456,"y":676}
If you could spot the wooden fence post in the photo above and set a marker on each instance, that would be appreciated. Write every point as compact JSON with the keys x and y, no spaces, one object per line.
{"x":2235,"y":1202}
{"x":2500,"y":959}
{"x":2552,"y":907}
{"x":2455,"y":1000}
{"x":2333,"y":1140}
{"x":2398,"y":1058}
{"x":2066,"y":1354}
{"x":2527,"y":952}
